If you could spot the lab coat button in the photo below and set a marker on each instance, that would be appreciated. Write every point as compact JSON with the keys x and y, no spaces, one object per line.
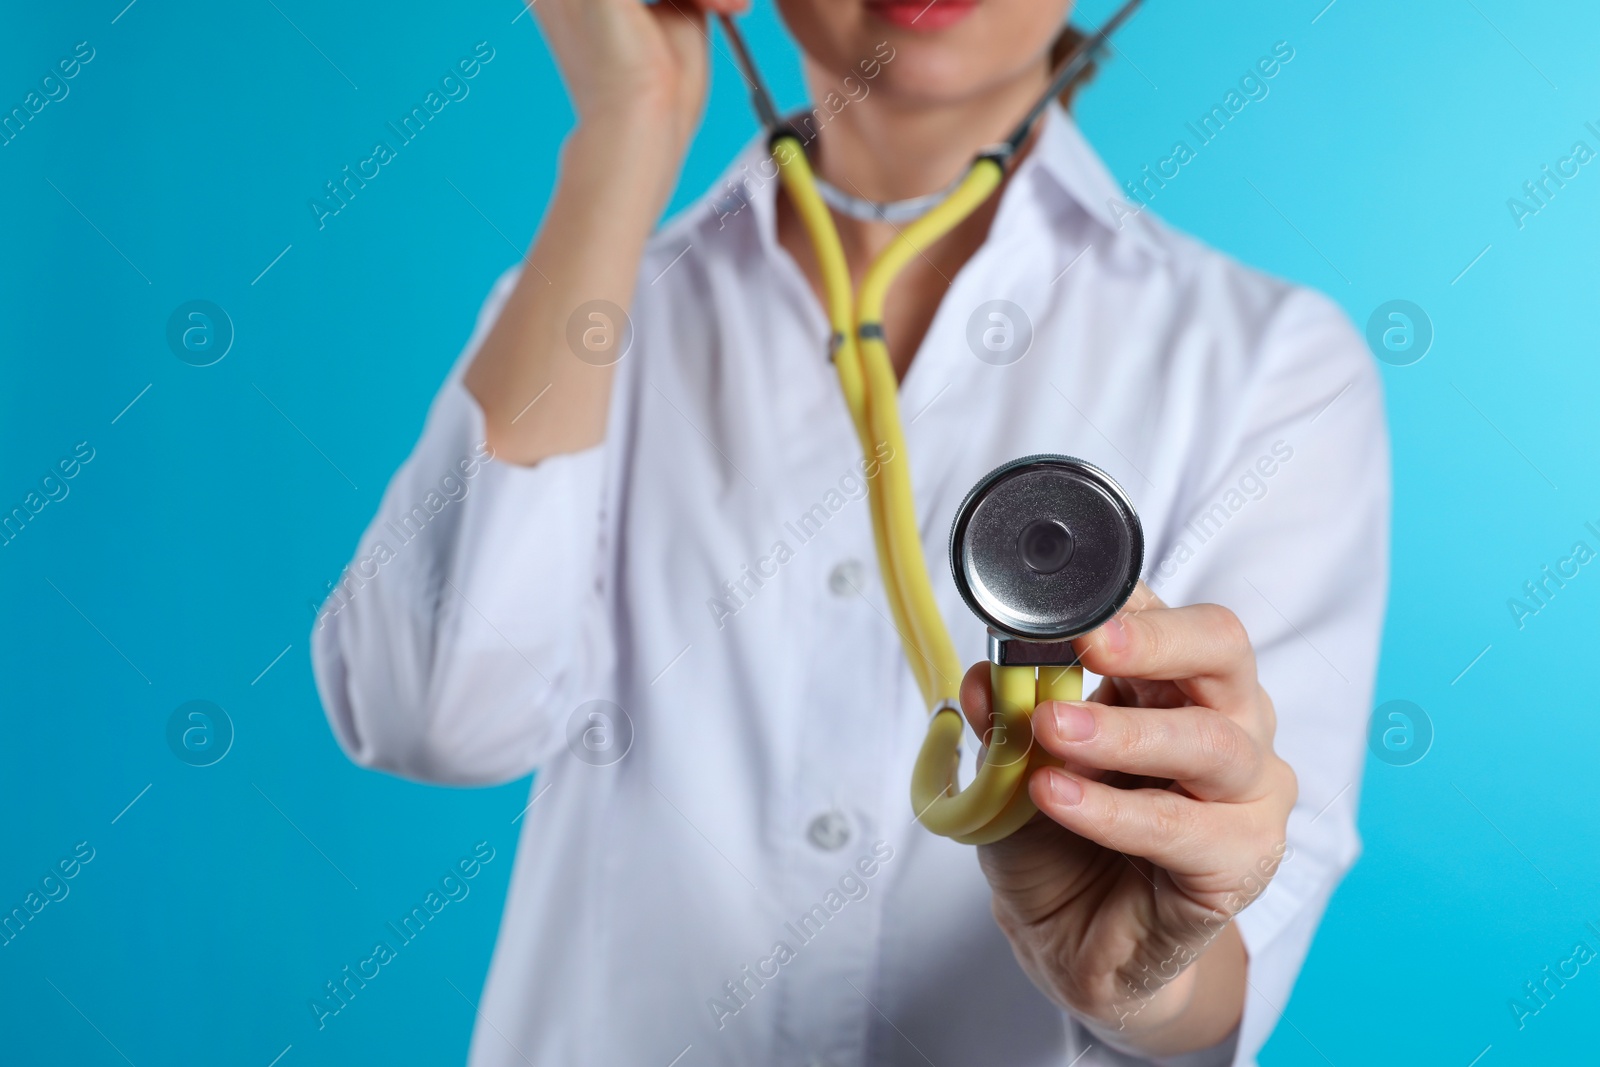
{"x":829,"y":831}
{"x":848,"y":578}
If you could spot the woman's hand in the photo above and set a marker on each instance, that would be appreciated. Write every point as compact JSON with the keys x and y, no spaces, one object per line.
{"x":637,"y":76}
{"x":1167,"y":818}
{"x":623,"y":60}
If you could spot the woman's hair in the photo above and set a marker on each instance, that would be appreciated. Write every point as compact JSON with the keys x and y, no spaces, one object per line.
{"x":1069,"y":39}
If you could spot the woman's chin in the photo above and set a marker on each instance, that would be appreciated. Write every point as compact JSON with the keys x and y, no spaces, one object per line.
{"x":931,"y":78}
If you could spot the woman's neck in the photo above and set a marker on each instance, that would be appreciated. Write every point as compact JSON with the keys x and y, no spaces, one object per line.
{"x":881,"y":149}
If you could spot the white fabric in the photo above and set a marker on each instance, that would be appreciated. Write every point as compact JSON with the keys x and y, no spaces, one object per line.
{"x":517,"y":595}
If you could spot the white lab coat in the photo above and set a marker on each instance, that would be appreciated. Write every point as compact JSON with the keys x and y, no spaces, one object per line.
{"x":706,"y":894}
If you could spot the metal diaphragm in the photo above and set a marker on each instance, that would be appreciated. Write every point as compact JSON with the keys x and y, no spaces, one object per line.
{"x":1046,"y":548}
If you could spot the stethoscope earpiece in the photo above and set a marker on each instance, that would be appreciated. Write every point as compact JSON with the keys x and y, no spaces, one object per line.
{"x":1045,"y":549}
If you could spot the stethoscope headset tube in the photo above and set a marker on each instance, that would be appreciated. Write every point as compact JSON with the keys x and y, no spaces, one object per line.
{"x":996,"y":802}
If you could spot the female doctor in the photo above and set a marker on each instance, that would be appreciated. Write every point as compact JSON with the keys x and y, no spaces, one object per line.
{"x":631,"y":552}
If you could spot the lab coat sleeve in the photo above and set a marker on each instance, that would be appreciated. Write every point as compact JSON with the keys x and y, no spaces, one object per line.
{"x":470,"y":615}
{"x":1290,"y":529}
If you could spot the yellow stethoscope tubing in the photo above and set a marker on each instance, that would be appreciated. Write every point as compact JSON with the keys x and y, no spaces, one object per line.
{"x":996,"y":803}
{"x":796,"y":176}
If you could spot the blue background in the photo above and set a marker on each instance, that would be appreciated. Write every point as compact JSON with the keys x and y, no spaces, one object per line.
{"x":219,"y":505}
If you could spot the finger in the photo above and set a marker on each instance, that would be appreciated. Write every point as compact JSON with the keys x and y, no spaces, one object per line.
{"x":1144,"y":598}
{"x":975,"y":703}
{"x":1117,"y":691}
{"x":1170,"y":830}
{"x":1203,"y":642}
{"x":977,"y":700}
{"x":1204,"y":750}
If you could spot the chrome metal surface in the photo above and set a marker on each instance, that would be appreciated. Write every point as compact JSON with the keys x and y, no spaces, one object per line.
{"x":1046,"y":548}
{"x":1013,"y":652}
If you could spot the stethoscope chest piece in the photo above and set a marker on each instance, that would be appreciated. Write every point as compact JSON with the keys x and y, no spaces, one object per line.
{"x":1045,"y":549}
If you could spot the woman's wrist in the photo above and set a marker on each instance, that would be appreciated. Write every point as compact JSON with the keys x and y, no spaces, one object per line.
{"x":1193,"y":1011}
{"x":1139,"y":1014}
{"x":1220,"y":1053}
{"x":633,"y":156}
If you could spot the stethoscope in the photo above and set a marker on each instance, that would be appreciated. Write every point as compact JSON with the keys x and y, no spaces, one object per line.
{"x":1043,"y":549}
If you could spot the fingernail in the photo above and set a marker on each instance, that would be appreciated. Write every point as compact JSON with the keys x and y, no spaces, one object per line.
{"x":1064,"y":789}
{"x":1116,"y":635}
{"x":1073,"y":722}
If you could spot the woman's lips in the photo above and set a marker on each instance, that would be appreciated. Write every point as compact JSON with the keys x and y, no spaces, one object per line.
{"x":924,"y":15}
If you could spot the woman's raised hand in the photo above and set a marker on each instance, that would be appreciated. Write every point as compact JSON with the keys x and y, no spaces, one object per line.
{"x":637,"y":76}
{"x":624,"y":60}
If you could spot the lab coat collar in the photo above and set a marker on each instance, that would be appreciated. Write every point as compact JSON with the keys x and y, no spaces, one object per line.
{"x":1061,"y":156}
{"x":1065,"y":158}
